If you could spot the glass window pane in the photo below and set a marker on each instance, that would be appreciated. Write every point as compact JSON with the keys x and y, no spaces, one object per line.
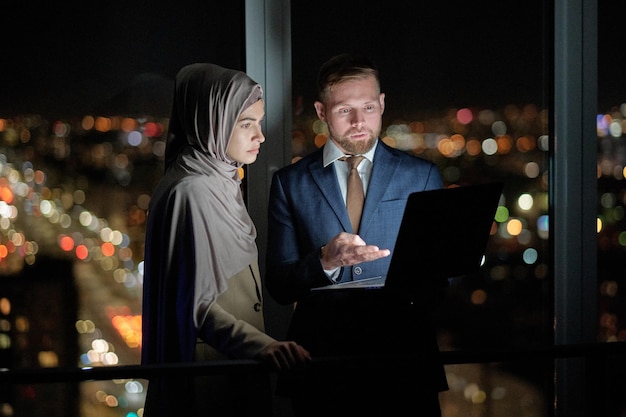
{"x":85,"y":99}
{"x":473,"y":103}
{"x":611,"y":126}
{"x":465,"y":87}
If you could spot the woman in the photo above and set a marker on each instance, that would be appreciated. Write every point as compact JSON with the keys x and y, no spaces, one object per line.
{"x":202,"y":290}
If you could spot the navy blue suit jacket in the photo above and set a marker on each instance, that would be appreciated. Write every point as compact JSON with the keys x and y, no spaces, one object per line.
{"x":306,"y":210}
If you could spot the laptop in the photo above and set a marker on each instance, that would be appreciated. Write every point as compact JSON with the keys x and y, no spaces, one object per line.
{"x":443,"y":234}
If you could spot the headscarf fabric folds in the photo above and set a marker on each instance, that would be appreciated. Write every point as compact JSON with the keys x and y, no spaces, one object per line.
{"x":199,"y":232}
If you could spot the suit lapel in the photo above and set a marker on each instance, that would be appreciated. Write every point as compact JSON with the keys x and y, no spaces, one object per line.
{"x":385,"y":166}
{"x":326,"y":181}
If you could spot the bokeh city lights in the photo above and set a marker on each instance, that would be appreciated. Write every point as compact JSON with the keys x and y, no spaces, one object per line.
{"x":80,"y":190}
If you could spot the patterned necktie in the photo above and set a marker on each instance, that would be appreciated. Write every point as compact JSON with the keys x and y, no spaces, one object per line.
{"x":355,"y":196}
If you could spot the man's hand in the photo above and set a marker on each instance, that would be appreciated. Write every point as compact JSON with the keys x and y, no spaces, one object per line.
{"x":348,"y":249}
{"x":284,"y":356}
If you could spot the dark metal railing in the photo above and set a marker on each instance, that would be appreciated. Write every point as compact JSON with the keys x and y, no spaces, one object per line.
{"x":594,"y":352}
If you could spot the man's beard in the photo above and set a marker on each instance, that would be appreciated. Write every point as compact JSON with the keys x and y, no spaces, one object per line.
{"x":355,"y":147}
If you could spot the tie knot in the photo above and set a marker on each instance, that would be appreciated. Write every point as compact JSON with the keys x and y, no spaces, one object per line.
{"x":353,"y":160}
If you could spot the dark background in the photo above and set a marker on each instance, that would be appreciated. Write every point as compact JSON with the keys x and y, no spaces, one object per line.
{"x":63,"y":58}
{"x":67,"y":58}
{"x":465,"y":54}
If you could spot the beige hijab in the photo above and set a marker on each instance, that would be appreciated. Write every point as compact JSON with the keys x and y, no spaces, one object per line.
{"x":199,"y":232}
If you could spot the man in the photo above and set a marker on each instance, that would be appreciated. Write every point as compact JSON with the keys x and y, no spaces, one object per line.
{"x":312,"y":243}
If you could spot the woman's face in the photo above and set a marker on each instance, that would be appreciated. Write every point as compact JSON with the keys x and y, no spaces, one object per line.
{"x":245,"y":142}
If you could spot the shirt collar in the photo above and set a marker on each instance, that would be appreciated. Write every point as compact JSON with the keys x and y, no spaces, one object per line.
{"x":332,"y":152}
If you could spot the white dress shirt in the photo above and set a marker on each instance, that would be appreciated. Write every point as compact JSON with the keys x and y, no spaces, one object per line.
{"x":332,"y":154}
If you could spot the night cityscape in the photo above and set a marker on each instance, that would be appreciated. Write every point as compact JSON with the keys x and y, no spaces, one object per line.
{"x":76,"y":192}
{"x":81,"y":150}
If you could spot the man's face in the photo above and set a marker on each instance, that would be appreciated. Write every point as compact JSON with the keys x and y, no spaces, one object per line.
{"x":353,"y":112}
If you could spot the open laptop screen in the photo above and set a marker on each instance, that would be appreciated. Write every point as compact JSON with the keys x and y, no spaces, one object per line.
{"x":443,"y":234}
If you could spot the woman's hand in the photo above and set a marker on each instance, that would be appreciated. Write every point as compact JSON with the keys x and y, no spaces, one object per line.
{"x":284,"y":356}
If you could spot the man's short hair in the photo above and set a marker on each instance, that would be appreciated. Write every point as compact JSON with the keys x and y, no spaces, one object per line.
{"x":342,"y":68}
